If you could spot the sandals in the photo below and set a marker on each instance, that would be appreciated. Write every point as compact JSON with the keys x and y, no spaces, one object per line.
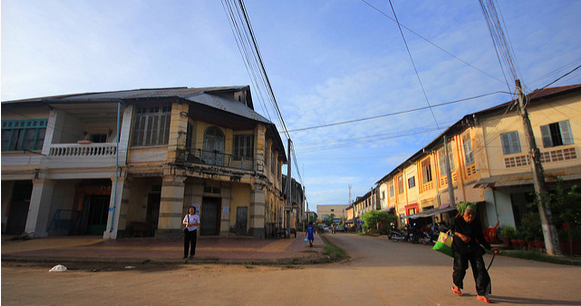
{"x":457,"y":291}
{"x":484,"y":299}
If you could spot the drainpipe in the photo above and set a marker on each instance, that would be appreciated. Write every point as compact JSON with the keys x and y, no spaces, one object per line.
{"x":112,"y":209}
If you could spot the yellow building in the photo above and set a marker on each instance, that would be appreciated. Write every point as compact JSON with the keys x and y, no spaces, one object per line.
{"x":132,"y":162}
{"x":485,"y":158}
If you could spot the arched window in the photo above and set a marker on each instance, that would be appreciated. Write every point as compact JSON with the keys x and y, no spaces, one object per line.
{"x":214,"y":141}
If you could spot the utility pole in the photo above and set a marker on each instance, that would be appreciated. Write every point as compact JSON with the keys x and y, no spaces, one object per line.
{"x":288,"y":206}
{"x":449,"y":175}
{"x":549,"y":230}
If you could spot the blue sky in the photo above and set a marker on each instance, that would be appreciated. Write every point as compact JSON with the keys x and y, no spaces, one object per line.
{"x":328,"y":62}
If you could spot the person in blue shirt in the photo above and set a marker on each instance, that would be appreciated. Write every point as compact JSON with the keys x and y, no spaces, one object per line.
{"x":310,"y":234}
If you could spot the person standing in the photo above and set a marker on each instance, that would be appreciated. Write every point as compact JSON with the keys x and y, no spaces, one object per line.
{"x":191,"y":221}
{"x":468,"y":238}
{"x":310,"y":234}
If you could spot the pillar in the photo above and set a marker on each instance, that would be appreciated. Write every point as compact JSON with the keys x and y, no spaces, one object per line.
{"x":38,"y":212}
{"x":171,"y":207}
{"x":257,"y":202}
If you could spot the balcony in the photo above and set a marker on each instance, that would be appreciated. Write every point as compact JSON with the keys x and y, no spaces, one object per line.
{"x":216,"y":158}
{"x":83,"y":150}
{"x":81,"y":155}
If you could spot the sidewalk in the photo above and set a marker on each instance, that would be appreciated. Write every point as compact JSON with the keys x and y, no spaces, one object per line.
{"x":227,"y":250}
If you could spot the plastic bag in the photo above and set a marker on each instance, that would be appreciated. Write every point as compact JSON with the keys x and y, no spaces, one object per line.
{"x":444,"y":244}
{"x":306,"y":239}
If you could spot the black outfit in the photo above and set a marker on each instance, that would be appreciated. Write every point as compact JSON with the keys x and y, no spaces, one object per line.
{"x":471,"y":251}
{"x":190,"y":239}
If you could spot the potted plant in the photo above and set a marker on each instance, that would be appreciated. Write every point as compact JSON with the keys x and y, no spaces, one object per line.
{"x":508,"y":233}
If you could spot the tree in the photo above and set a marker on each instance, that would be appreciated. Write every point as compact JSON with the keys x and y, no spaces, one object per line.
{"x":564,"y":203}
{"x":329,"y":219}
{"x":373,"y":217}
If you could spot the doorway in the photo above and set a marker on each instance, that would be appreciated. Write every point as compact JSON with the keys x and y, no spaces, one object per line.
{"x":210,"y":216}
{"x":18,"y":209}
{"x":152,"y":217}
{"x":97,"y":210}
{"x":241,"y":221}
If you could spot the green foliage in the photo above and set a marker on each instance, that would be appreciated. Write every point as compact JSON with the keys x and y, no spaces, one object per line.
{"x":531,"y":226}
{"x":373,"y":217}
{"x":565,"y":208}
{"x":508,"y":232}
{"x":329,"y":219}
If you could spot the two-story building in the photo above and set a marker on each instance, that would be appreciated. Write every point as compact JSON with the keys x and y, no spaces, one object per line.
{"x":484,"y":158}
{"x":131,"y":162}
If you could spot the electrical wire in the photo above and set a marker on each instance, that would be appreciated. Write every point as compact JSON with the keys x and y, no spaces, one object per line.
{"x":413,"y":64}
{"x":397,"y":113}
{"x":433,"y":44}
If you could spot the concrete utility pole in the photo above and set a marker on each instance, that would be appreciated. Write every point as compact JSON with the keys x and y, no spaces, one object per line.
{"x":549,"y":230}
{"x":289,"y":205}
{"x":449,"y":174}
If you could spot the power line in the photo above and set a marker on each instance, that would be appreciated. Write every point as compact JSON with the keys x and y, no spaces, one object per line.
{"x":431,"y":43}
{"x":396,"y":113}
{"x":413,"y":64}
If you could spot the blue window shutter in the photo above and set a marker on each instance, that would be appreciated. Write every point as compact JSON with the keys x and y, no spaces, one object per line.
{"x":546,"y":132}
{"x":566,"y":133}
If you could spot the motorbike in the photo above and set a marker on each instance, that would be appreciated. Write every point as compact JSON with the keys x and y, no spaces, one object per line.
{"x":428,"y":238}
{"x":397,"y":235}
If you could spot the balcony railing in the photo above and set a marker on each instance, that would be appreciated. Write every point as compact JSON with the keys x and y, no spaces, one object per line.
{"x":82,"y":150}
{"x":216,"y":158}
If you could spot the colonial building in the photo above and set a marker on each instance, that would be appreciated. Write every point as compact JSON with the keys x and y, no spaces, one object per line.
{"x":131,"y":162}
{"x":484,"y":158}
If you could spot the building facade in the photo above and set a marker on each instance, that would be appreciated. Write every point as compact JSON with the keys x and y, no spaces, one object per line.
{"x":485,"y":158}
{"x":116,"y":164}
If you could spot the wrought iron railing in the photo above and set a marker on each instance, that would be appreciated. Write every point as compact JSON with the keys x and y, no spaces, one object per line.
{"x":217,"y":158}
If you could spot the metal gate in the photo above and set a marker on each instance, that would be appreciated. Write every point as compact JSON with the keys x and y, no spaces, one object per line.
{"x":241,"y":221}
{"x":210,"y":216}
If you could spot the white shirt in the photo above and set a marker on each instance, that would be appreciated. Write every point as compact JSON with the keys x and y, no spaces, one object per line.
{"x":193,"y":219}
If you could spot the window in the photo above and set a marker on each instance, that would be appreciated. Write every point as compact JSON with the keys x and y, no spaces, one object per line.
{"x":19,"y":135}
{"x":426,"y":171}
{"x":557,"y":134}
{"x":400,"y":184}
{"x":213,"y":153}
{"x":442,"y":157}
{"x":412,"y":182}
{"x":391,"y":191}
{"x":468,"y":150}
{"x":243,"y":146}
{"x":151,"y":126}
{"x":383,"y":195}
{"x":510,"y":143}
{"x":99,"y":138}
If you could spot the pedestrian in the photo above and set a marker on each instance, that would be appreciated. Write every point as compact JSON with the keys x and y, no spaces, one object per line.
{"x":310,"y":234}
{"x":191,"y":221}
{"x":468,"y":238}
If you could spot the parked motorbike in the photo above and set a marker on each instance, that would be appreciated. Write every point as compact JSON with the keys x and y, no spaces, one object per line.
{"x":397,"y":235}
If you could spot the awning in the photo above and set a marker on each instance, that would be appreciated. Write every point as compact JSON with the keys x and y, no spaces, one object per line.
{"x":430,"y":212}
{"x":516,"y":179}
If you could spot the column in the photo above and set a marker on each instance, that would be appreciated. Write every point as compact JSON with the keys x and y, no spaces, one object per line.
{"x":116,"y":206}
{"x":38,"y":212}
{"x":257,"y":200}
{"x":171,"y":205}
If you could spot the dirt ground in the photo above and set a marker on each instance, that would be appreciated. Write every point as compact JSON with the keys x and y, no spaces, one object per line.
{"x":379,"y":272}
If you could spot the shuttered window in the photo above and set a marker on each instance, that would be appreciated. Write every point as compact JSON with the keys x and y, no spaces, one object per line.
{"x":468,"y":151}
{"x":510,"y":143}
{"x":20,"y":135}
{"x":151,"y":126}
{"x":557,"y":134}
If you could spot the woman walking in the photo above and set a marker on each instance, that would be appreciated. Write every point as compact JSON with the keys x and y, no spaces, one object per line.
{"x":468,"y":236}
{"x":191,"y":221}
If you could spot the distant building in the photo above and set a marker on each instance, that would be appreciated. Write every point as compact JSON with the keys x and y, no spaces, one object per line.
{"x":340,"y":211}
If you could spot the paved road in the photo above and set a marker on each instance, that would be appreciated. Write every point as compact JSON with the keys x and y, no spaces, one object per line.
{"x":380,"y":272}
